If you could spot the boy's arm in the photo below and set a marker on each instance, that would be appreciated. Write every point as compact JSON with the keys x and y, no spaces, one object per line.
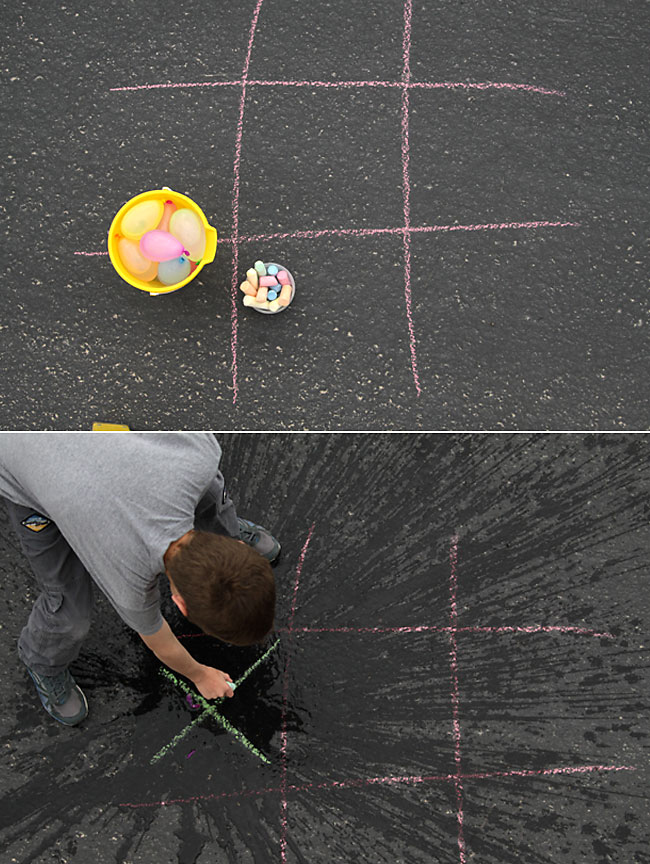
{"x":210,"y":682}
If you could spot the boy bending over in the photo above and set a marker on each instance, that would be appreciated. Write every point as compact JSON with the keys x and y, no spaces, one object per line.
{"x":115,"y":510}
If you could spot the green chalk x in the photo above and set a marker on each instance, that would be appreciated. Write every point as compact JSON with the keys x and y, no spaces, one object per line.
{"x":261,"y":269}
{"x":209,"y":710}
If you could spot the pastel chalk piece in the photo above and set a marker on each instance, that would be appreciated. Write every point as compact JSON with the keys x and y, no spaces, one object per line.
{"x":285,"y":295}
{"x":268,"y":281}
{"x":260,"y":268}
{"x":252,"y":277}
{"x":272,"y":295}
{"x":248,"y":300}
{"x":272,"y":269}
{"x":274,"y":306}
{"x":261,"y":294}
{"x":247,"y":288}
{"x":283,"y":278}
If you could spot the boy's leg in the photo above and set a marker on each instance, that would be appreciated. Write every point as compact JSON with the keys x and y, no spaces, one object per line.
{"x":60,"y":617}
{"x":216,"y":512}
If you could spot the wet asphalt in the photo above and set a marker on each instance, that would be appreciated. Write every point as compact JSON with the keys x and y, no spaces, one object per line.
{"x":462,"y":672}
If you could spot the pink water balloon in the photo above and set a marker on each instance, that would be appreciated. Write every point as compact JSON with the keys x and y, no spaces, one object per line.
{"x":161,"y":246}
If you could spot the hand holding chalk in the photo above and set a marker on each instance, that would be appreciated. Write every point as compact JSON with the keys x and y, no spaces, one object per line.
{"x":213,"y":683}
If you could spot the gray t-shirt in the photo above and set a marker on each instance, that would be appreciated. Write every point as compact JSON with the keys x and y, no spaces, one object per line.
{"x":119,"y":499}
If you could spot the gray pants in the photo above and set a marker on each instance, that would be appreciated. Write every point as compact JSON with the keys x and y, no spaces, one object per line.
{"x":60,"y":617}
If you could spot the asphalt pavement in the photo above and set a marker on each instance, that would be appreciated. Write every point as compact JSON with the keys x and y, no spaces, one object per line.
{"x":462,"y":672}
{"x":458,"y":189}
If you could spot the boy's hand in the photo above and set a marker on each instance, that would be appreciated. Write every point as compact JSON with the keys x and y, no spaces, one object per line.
{"x":212,"y":683}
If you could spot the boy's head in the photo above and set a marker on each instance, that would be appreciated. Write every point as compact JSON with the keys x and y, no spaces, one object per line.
{"x":226,"y":588}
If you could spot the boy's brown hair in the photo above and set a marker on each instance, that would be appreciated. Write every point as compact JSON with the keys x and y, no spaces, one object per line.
{"x":228,"y":588}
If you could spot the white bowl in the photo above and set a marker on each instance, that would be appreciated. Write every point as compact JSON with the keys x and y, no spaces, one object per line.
{"x":293,"y":290}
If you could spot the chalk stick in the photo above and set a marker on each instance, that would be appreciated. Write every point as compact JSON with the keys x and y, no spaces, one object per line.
{"x":283,"y":278}
{"x":261,"y":269}
{"x":252,"y":277}
{"x":274,"y":306}
{"x":271,"y":269}
{"x":247,"y":288}
{"x":285,"y":295}
{"x":261,"y":294}
{"x":268,"y":281}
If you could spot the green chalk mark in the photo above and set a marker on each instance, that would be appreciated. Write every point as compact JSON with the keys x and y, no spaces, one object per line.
{"x":210,"y":709}
{"x":164,"y":750}
{"x":242,"y":738}
{"x":257,"y":663}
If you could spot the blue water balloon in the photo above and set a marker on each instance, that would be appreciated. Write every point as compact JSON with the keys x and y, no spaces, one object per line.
{"x":175,"y":270}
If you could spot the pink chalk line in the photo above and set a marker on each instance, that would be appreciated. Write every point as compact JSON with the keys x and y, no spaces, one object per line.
{"x":369,"y":232}
{"x":406,"y":189}
{"x":389,"y":781}
{"x":453,"y":653}
{"x":411,"y":85}
{"x":285,"y":697}
{"x":535,"y":628}
{"x":234,"y":319}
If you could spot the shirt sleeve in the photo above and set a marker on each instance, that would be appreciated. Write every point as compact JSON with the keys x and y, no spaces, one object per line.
{"x":147,"y":619}
{"x":144,"y":622}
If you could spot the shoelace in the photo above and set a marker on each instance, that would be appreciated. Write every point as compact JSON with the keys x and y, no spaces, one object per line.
{"x":247,"y":535}
{"x":57,"y":686}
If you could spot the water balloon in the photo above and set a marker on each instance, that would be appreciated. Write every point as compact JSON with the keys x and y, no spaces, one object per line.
{"x":188,"y":228}
{"x":135,"y":262}
{"x":171,"y":272}
{"x":170,"y":207}
{"x":141,"y":218}
{"x":160,"y":246}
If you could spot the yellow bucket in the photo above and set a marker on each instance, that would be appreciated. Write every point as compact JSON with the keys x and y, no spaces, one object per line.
{"x":164,"y":194}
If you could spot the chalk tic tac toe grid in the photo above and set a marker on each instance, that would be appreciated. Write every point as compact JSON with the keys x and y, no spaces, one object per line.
{"x":458,"y":778}
{"x":406,"y":230}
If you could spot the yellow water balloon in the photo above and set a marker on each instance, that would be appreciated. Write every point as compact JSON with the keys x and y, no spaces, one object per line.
{"x":186,"y":226}
{"x":135,"y":262}
{"x":144,"y":217}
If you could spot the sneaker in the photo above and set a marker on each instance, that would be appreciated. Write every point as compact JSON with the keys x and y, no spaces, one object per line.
{"x":61,"y":697}
{"x":259,"y":539}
